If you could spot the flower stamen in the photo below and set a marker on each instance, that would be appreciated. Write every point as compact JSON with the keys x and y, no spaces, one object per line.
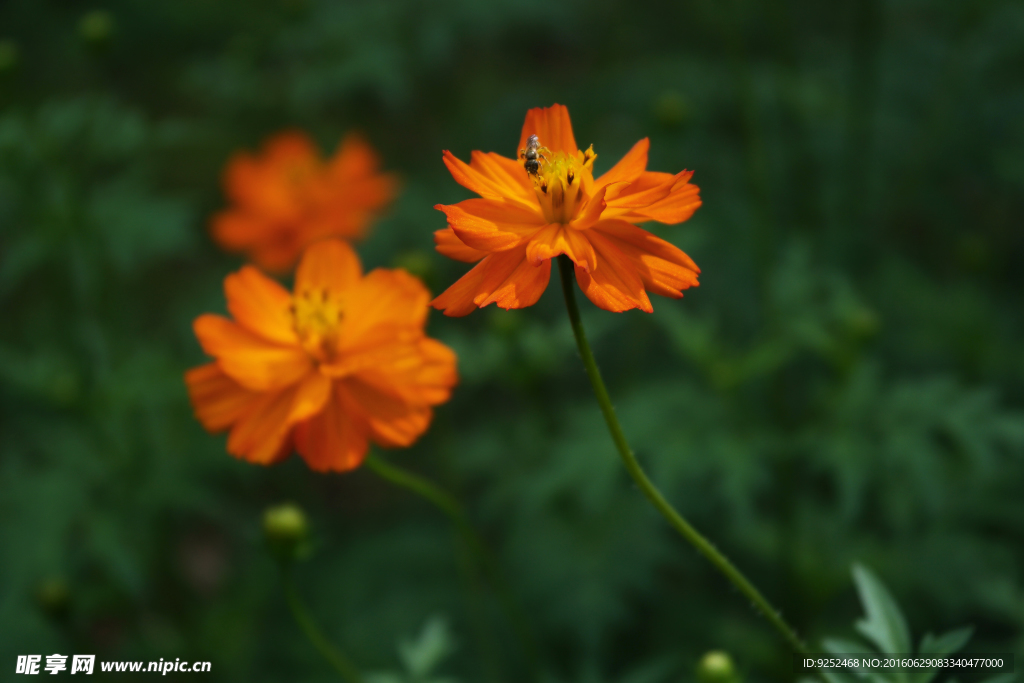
{"x":561,"y":184}
{"x":317,"y":318}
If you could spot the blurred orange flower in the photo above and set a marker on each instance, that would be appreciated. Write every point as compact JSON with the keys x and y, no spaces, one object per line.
{"x":288,"y":197}
{"x":341,"y":361}
{"x":523,"y":220}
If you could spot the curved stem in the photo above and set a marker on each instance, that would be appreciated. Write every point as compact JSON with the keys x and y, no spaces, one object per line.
{"x":341,"y":664}
{"x":454,"y":510}
{"x":685,"y":529}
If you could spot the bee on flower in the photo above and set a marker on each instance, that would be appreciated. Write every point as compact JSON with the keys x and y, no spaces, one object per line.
{"x":547,"y":204}
{"x":532,"y":155}
{"x":339,"y":362}
{"x":287,"y":197}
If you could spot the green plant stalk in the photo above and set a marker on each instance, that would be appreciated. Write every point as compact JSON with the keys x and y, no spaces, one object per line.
{"x":454,"y":510}
{"x":685,"y":529}
{"x":341,"y":664}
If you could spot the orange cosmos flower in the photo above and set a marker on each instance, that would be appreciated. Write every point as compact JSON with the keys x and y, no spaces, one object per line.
{"x":341,"y":361}
{"x":288,"y":197}
{"x":523,"y":220}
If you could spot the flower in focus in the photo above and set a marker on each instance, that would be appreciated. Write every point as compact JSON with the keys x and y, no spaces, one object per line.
{"x":522,"y":220}
{"x":288,"y":197}
{"x":341,"y":361}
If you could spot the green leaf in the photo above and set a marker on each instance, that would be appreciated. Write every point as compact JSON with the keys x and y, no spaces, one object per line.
{"x":843,"y":647}
{"x":947,"y":643}
{"x":434,"y":643}
{"x":884,"y":624}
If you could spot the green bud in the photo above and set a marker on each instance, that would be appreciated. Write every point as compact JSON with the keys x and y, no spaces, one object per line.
{"x":54,"y":598}
{"x":96,"y":28}
{"x":8,"y":56}
{"x":717,"y":667}
{"x":286,"y":530}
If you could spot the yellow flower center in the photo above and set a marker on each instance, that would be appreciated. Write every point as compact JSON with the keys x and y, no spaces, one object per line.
{"x":317,"y":318}
{"x":562,"y":183}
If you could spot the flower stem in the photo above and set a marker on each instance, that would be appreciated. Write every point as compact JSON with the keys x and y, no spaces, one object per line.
{"x":454,"y":510}
{"x":341,"y":664}
{"x":685,"y":529}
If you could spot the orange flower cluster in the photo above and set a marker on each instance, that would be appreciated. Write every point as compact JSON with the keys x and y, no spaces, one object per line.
{"x":288,"y":197}
{"x":343,"y":359}
{"x":340,"y":361}
{"x":522,"y":220}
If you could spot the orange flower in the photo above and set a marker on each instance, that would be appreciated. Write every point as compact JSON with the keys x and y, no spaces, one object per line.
{"x":342,"y":360}
{"x":523,"y":220}
{"x":288,"y":197}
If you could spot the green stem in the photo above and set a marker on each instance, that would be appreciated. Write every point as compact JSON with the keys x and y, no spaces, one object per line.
{"x":345,"y":668}
{"x":454,"y":510}
{"x":685,"y":529}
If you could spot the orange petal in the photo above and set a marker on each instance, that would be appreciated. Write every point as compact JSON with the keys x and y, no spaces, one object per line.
{"x":615,"y":285}
{"x":261,"y":432}
{"x":557,"y":239}
{"x":504,"y":277}
{"x":272,"y":244}
{"x":354,"y":160}
{"x":391,"y":420}
{"x":448,"y":243}
{"x":218,"y":400}
{"x":354,"y":187}
{"x":591,"y":212}
{"x":334,"y":439}
{"x":436,"y":375}
{"x":675,"y":207}
{"x":458,"y":299}
{"x":260,"y":305}
{"x":489,"y":224}
{"x":261,"y":183}
{"x":310,"y":396}
{"x":509,"y":174}
{"x":234,"y":230}
{"x":384,"y":298}
{"x":552,"y":126}
{"x":329,"y":265}
{"x":484,"y":184}
{"x":250,"y":360}
{"x":387,"y":345}
{"x":649,"y":188}
{"x":423,"y":377}
{"x":664,"y":268}
{"x":519,"y":289}
{"x":628,"y":167}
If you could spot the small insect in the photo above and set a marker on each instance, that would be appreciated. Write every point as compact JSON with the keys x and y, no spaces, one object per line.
{"x":531,"y":155}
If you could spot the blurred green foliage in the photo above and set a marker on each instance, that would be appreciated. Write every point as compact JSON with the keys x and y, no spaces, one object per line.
{"x":885,"y":627}
{"x":846,"y":384}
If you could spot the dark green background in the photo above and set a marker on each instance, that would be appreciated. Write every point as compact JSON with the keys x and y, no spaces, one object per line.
{"x":846,"y":383}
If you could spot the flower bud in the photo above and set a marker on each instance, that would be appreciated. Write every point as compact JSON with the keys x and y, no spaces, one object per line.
{"x":286,"y":530}
{"x":716,"y":667}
